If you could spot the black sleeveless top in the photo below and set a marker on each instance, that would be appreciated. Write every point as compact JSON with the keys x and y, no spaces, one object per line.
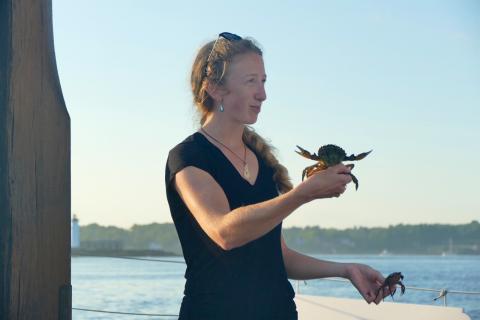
{"x":247,"y":282}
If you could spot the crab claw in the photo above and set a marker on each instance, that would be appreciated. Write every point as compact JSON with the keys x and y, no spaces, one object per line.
{"x":305,"y":153}
{"x":357,"y":157}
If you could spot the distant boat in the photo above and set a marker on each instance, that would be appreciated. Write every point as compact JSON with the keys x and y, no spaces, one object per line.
{"x":385,"y":252}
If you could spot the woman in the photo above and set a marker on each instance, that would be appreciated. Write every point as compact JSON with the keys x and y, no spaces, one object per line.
{"x":228,"y":196}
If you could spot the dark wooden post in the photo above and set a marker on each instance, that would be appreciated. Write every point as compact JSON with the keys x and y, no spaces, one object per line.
{"x":34,"y":168}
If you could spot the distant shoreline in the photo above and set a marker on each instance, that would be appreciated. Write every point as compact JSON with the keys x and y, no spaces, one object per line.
{"x":158,"y":253}
{"x":435,"y":239}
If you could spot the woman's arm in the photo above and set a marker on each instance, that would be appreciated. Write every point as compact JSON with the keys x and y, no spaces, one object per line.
{"x":233,"y":228}
{"x":363,"y":277}
{"x":303,"y":267}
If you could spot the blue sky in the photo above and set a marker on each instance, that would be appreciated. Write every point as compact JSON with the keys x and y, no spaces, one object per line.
{"x":399,"y":77}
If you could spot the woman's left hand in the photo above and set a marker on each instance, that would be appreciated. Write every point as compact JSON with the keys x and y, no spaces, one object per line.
{"x":367,"y":281}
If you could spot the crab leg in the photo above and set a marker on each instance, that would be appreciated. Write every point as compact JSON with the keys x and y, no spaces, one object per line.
{"x":402,"y":287}
{"x":391,"y":294}
{"x":389,"y":291}
{"x":354,"y":179}
{"x":384,"y":288}
{"x":308,"y":171}
{"x":357,"y":157}
{"x":304,"y":173}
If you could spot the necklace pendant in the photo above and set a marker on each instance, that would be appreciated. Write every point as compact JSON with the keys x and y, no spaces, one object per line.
{"x":246,"y":172}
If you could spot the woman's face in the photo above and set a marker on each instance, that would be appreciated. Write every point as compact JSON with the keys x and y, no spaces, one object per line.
{"x":245,"y":85}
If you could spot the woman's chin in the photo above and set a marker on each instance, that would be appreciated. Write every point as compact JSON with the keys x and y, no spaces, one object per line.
{"x":251,"y":121}
{"x":251,"y":118}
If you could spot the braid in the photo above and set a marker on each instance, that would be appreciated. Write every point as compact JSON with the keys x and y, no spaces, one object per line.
{"x":266,"y":151}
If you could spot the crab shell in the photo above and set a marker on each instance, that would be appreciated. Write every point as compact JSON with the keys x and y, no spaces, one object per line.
{"x":331,"y":154}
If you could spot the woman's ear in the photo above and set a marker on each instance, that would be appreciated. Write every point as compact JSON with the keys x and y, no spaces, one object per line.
{"x":215,"y":91}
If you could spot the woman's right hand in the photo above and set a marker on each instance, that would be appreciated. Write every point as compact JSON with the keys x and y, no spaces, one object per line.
{"x":327,"y":183}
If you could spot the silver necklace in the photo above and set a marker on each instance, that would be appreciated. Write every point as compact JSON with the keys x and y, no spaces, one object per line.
{"x":246,"y":172}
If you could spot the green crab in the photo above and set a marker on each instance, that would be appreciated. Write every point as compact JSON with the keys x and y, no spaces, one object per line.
{"x":329,"y":155}
{"x":392,"y":280}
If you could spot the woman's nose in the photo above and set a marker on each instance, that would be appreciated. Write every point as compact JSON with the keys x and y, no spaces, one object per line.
{"x":261,"y":93}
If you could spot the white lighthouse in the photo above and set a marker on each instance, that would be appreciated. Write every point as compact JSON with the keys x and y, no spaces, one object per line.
{"x":75,"y":232}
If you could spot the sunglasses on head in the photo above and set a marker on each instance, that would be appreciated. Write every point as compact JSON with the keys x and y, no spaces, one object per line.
{"x":225,"y":35}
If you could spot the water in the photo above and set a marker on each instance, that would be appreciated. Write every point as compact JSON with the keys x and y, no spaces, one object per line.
{"x":157,"y":287}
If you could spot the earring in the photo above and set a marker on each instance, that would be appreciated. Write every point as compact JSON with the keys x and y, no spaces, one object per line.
{"x":221,"y":108}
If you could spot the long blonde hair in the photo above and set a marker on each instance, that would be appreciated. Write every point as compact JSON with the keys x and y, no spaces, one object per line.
{"x":213,"y":72}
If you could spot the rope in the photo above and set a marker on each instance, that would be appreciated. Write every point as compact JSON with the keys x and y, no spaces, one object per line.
{"x":144,"y":259}
{"x":413,"y":288}
{"x":128,"y":313}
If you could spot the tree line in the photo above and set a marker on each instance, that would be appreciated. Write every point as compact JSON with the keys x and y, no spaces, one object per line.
{"x":396,"y":239}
